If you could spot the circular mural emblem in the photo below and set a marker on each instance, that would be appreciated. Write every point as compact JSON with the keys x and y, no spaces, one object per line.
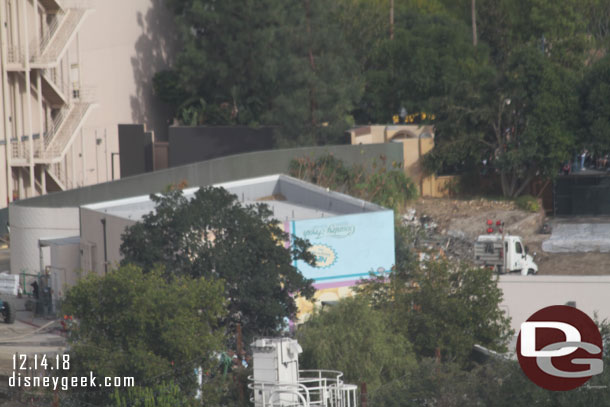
{"x":560,"y":348}
{"x":325,"y":255}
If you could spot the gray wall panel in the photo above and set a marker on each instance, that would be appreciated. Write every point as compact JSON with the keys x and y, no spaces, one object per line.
{"x":223,"y":169}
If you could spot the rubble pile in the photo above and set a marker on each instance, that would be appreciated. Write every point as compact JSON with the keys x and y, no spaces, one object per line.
{"x":430,"y":239}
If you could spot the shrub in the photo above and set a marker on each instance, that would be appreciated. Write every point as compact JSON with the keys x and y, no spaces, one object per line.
{"x":527,"y":203}
{"x":389,"y":188}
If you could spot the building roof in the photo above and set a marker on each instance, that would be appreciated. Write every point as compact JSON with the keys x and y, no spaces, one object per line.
{"x":287,"y":197}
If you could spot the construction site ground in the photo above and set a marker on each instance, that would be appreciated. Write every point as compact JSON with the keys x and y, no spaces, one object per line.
{"x":454,"y":224}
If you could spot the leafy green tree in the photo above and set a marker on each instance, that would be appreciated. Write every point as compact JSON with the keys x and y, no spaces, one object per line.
{"x":525,"y":129}
{"x":595,"y":94}
{"x":226,"y":69}
{"x":430,"y":59}
{"x":266,"y":62}
{"x":445,"y":310}
{"x":213,"y":235}
{"x":320,"y":78}
{"x":164,"y":395}
{"x":358,"y":340}
{"x":132,"y":324}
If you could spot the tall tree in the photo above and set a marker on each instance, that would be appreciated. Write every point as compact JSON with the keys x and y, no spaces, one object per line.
{"x":595,"y":103}
{"x":213,"y":235}
{"x":431,"y":57}
{"x":226,"y":71}
{"x":321,"y":81}
{"x":263,"y":62}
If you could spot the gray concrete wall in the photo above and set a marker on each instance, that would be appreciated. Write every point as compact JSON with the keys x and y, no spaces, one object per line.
{"x":218,"y":170}
{"x":193,"y":144}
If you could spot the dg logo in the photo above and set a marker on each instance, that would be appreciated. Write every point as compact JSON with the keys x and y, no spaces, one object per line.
{"x":560,"y":348}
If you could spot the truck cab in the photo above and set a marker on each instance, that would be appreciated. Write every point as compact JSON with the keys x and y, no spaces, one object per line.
{"x":505,"y":253}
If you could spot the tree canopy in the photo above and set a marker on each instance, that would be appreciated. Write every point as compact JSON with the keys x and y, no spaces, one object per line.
{"x":214,"y":235}
{"x":132,"y":324}
{"x":313,"y":69}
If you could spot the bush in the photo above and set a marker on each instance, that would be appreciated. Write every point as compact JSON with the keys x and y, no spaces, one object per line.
{"x":358,"y":340}
{"x":389,"y":188}
{"x":527,"y":203}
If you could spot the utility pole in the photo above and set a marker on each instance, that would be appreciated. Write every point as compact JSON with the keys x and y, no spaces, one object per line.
{"x":392,"y":19}
{"x":473,"y":12}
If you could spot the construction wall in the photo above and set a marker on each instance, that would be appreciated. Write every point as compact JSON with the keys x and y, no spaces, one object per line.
{"x":240,"y":166}
{"x":194,"y":144}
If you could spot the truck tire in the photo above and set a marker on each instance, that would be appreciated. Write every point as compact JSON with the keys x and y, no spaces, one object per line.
{"x":8,"y":311}
{"x":531,"y":272}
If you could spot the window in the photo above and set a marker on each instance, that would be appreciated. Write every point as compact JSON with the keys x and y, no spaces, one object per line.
{"x":518,"y":247}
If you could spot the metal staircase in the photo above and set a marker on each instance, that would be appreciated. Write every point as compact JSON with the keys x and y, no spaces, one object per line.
{"x":55,"y":41}
{"x":58,"y":139}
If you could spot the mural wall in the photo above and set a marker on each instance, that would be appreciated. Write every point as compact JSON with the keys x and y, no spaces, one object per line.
{"x":347,"y":249}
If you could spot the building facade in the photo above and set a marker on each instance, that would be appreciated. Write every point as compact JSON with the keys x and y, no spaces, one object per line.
{"x":67,"y":82}
{"x":44,"y":103}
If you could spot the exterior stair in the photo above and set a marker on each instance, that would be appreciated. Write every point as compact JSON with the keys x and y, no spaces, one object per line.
{"x":54,"y":44}
{"x":60,"y":137}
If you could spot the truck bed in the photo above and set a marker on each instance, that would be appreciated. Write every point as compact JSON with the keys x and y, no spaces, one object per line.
{"x":488,"y":253}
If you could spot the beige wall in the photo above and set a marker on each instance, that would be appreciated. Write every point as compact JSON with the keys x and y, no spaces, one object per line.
{"x":417,"y":141}
{"x":524,"y":295}
{"x":92,"y":234}
{"x":122,"y":45}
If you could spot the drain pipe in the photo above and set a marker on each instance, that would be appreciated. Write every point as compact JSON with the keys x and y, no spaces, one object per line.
{"x":105,"y":246}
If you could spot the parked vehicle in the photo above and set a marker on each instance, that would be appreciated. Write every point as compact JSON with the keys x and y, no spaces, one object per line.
{"x":504,"y":253}
{"x":8,"y":312}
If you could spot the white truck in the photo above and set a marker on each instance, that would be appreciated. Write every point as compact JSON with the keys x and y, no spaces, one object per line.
{"x":503,"y":253}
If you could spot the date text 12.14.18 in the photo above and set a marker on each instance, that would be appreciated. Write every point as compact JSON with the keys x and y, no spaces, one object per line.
{"x":23,"y":361}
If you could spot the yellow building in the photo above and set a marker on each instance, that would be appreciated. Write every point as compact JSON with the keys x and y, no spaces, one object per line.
{"x":417,"y":140}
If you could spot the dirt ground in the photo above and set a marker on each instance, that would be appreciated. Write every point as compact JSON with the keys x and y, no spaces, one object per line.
{"x":466,"y":219}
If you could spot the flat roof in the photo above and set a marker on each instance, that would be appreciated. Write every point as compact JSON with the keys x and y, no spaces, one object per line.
{"x":287,"y":197}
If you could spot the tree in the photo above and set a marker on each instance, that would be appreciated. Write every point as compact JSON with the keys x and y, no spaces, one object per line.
{"x":595,"y":105}
{"x":132,"y":324}
{"x":213,"y":235}
{"x":267,"y":62}
{"x":429,"y":63}
{"x":523,"y":125}
{"x":354,"y":338}
{"x":165,"y":395}
{"x":446,"y":310}
{"x":225,"y":71}
{"x":320,"y":79}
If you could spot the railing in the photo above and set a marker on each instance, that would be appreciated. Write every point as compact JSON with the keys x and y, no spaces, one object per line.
{"x":84,"y":94}
{"x":80,"y":4}
{"x":14,"y":54}
{"x":52,"y":76}
{"x":53,"y":129}
{"x":314,"y":388}
{"x":59,"y":173}
{"x":37,"y":47}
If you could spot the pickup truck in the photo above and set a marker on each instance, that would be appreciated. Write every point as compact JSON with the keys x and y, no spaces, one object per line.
{"x":504,"y":253}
